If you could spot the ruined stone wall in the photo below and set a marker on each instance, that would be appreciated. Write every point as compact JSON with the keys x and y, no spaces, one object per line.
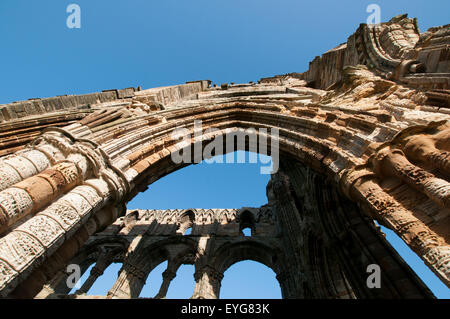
{"x":395,"y":50}
{"x":331,"y":242}
{"x":142,"y":239}
{"x":69,"y":166}
{"x":317,"y":242}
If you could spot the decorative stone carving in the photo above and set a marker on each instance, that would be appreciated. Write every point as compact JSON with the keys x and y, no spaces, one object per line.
{"x":369,"y":122}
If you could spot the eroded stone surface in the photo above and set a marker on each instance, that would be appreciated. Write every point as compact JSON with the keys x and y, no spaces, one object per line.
{"x":369,"y":121}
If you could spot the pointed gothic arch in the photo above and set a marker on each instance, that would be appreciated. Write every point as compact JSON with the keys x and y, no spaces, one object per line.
{"x":69,"y":180}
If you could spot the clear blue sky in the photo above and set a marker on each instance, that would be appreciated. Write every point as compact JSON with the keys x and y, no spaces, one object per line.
{"x":158,"y":43}
{"x":155,"y":43}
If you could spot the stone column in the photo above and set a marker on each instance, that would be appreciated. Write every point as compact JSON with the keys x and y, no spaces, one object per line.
{"x":57,"y":217}
{"x":93,"y":275}
{"x":130,"y":282}
{"x":33,"y":193}
{"x":207,"y":283}
{"x":24,"y":248}
{"x":394,"y":163}
{"x":291,"y":283}
{"x":361,"y":186}
{"x":103,"y":261}
{"x":423,"y":148}
{"x":168,"y":275}
{"x":59,"y":259}
{"x":51,"y":289}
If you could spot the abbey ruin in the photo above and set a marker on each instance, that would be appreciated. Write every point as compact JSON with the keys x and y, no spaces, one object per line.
{"x":364,"y":140}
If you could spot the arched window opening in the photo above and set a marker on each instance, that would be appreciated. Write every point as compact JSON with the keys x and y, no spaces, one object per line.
{"x":182,"y":286}
{"x":423,"y":272}
{"x":185,"y":223}
{"x":102,"y":283}
{"x":246,"y":223}
{"x":154,"y":281}
{"x":247,"y":231}
{"x":249,"y":192}
{"x":82,"y":279}
{"x":259,"y":283}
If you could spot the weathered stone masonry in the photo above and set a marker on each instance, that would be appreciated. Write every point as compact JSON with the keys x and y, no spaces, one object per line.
{"x":364,"y":136}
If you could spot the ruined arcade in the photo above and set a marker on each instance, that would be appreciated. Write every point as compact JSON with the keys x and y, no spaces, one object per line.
{"x":363,"y":139}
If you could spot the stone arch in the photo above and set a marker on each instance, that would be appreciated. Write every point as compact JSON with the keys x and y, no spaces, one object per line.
{"x":336,"y":238}
{"x":229,"y":254}
{"x":138,"y":265}
{"x":246,"y":219}
{"x":209,"y":273}
{"x":377,"y":137}
{"x":354,"y":178}
{"x":185,"y":221}
{"x":101,"y":253}
{"x":358,"y":183}
{"x":318,"y":153}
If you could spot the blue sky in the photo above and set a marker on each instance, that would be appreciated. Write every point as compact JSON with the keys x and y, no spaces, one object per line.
{"x":155,"y":43}
{"x":158,"y":43}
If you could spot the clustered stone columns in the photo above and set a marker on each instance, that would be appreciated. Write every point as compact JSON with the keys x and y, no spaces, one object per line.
{"x":207,"y":283}
{"x":394,"y":163}
{"x":25,"y":163}
{"x":77,"y":188}
{"x":168,"y":275}
{"x":403,"y":185}
{"x":335,"y":241}
{"x":33,"y":193}
{"x":104,"y":260}
{"x":290,"y":225}
{"x":413,"y":231}
{"x":130,"y":282}
{"x":292,"y":281}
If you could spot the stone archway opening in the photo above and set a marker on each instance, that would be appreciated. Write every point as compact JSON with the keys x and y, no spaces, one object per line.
{"x":103,"y":282}
{"x":213,"y":184}
{"x":250,"y":222}
{"x":348,"y":155}
{"x":153,"y":281}
{"x":247,"y":223}
{"x":182,"y":286}
{"x":260,"y":282}
{"x":186,"y":221}
{"x":260,"y":260}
